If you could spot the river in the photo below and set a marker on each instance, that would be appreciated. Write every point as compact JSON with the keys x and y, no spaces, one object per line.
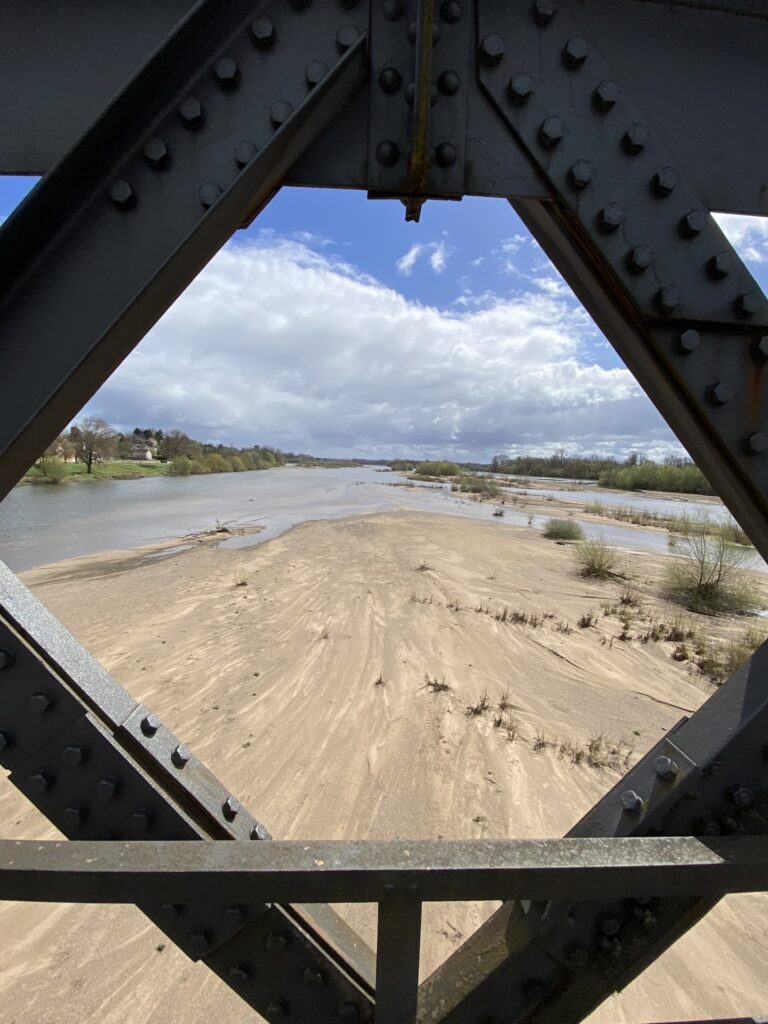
{"x":41,"y":524}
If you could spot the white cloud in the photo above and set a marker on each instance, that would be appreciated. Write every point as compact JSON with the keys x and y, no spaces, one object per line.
{"x":406,"y":263}
{"x":437,"y":253}
{"x":277,"y":343}
{"x":748,"y":235}
{"x":438,"y":257}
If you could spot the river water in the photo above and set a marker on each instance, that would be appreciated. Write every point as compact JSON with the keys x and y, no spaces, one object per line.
{"x":42,"y":524}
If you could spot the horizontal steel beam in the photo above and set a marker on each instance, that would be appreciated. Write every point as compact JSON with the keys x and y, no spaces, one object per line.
{"x":298,"y":871}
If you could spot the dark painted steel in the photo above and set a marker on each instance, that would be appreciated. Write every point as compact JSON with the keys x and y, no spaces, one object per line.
{"x":397,"y":957}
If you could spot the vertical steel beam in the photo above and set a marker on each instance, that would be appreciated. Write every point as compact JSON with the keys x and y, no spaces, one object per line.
{"x":397,"y":962}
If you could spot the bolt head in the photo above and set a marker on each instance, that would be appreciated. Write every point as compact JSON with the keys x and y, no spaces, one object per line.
{"x":445,"y":155}
{"x":199,"y":940}
{"x":581,"y":173}
{"x":551,"y":132}
{"x":122,"y":195}
{"x":575,"y":52}
{"x":279,"y":112}
{"x":7,"y":658}
{"x":544,"y":11}
{"x":605,"y":95}
{"x":520,"y":88}
{"x":74,"y":755}
{"x":150,"y":724}
{"x":387,"y":153}
{"x":392,"y":9}
{"x":740,"y":795}
{"x":40,"y":782}
{"x":180,"y":755}
{"x":756,"y":443}
{"x":664,"y":181}
{"x":209,"y":193}
{"x":346,"y":37}
{"x":689,"y":340}
{"x":450,"y":12}
{"x":760,"y":347}
{"x":106,"y":789}
{"x":230,"y":808}
{"x":315,"y":72}
{"x":6,"y":739}
{"x":156,"y":153}
{"x":191,"y":112}
{"x":140,"y":821}
{"x":258,"y":831}
{"x":635,"y":139}
{"x":75,"y":815}
{"x":578,"y":956}
{"x":719,"y":393}
{"x":747,"y":304}
{"x":720,"y":265}
{"x":639,"y":258}
{"x":390,"y":80}
{"x":611,"y":217}
{"x":693,"y":223}
{"x":707,"y":827}
{"x":227,"y":73}
{"x":244,"y":153}
{"x":40,"y":703}
{"x":278,"y":940}
{"x":668,"y":299}
{"x":631,"y":802}
{"x":263,"y":33}
{"x":611,"y":926}
{"x":448,"y":83}
{"x":314,"y":976}
{"x":491,"y":49}
{"x":665,"y":768}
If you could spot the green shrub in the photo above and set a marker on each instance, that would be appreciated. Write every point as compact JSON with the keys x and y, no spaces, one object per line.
{"x":180,"y":466}
{"x":197,"y":468}
{"x":53,"y":469}
{"x":476,"y":485}
{"x":437,"y":469}
{"x":237,"y":464}
{"x":218,"y":464}
{"x":563,"y":529}
{"x":596,"y":557}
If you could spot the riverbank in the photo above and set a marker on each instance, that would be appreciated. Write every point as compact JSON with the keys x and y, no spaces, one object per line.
{"x":307,"y":672}
{"x":77,"y":472}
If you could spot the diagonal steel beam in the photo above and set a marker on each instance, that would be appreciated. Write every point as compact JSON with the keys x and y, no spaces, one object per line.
{"x":192,"y":148}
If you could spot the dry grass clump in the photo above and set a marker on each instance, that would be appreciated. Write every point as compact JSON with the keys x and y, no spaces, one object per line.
{"x":710,"y":577}
{"x":563,"y":529}
{"x":479,"y":707}
{"x":435,"y":685}
{"x":596,"y":558}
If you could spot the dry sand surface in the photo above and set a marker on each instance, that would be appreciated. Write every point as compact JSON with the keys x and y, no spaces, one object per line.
{"x":273,"y":683}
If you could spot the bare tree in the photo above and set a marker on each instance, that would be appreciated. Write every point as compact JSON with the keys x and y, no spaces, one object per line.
{"x":62,"y":448}
{"x":175,"y":444}
{"x":93,"y":440}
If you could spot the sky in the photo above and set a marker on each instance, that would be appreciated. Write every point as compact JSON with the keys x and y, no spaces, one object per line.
{"x":334,"y":327}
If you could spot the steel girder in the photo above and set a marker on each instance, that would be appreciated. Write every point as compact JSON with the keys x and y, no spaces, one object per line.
{"x":615,"y":169}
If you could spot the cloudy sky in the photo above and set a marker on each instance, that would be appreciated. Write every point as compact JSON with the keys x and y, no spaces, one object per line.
{"x":333,"y":327}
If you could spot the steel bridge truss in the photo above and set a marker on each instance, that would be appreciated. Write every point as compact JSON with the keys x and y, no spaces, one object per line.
{"x":614,"y":127}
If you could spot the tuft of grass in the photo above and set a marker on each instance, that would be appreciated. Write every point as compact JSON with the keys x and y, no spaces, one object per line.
{"x":435,"y":685}
{"x":379,"y":680}
{"x":629,"y":595}
{"x":479,"y":707}
{"x":563,"y":529}
{"x":504,"y":702}
{"x":423,"y":567}
{"x":596,"y":557}
{"x":587,"y":620}
{"x":454,"y":605}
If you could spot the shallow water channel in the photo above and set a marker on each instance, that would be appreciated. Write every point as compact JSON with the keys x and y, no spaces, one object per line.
{"x":42,"y":524}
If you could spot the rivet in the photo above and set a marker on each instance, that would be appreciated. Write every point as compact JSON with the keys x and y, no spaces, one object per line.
{"x":747,"y":304}
{"x":445,"y":155}
{"x":720,"y":265}
{"x":544,"y":11}
{"x":693,"y":223}
{"x":75,"y":815}
{"x":140,"y":820}
{"x":40,"y":782}
{"x":7,"y":658}
{"x":664,"y":182}
{"x":230,"y":808}
{"x":635,"y":139}
{"x":668,"y":299}
{"x":121,"y":194}
{"x":156,"y":153}
{"x":665,"y":768}
{"x":74,"y":755}
{"x":6,"y":739}
{"x":346,"y":37}
{"x":689,"y":341}
{"x":520,"y":88}
{"x":227,"y":73}
{"x":639,"y":258}
{"x":40,"y":703}
{"x":209,"y":193}
{"x":740,"y":795}
{"x":411,"y":33}
{"x":191,"y":112}
{"x":262,"y":33}
{"x":392,"y":9}
{"x":278,"y":940}
{"x":279,"y":112}
{"x":314,"y":976}
{"x":448,"y":83}
{"x":278,"y":1008}
{"x":719,"y":393}
{"x":106,"y":788}
{"x":632,"y":802}
{"x":181,"y":754}
{"x":169,"y":911}
{"x":611,"y":217}
{"x":390,"y":80}
{"x":387,"y":153}
{"x":578,"y":956}
{"x":239,"y":972}
{"x":315,"y":72}
{"x":199,"y":940}
{"x":551,"y":132}
{"x":450,"y":12}
{"x":581,"y":173}
{"x":605,"y":95}
{"x":713,"y":769}
{"x":759,"y":348}
{"x":259,"y":832}
{"x":150,"y":724}
{"x":575,"y":52}
{"x":755,"y":443}
{"x":611,"y":926}
{"x":244,"y":153}
{"x":491,"y":49}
